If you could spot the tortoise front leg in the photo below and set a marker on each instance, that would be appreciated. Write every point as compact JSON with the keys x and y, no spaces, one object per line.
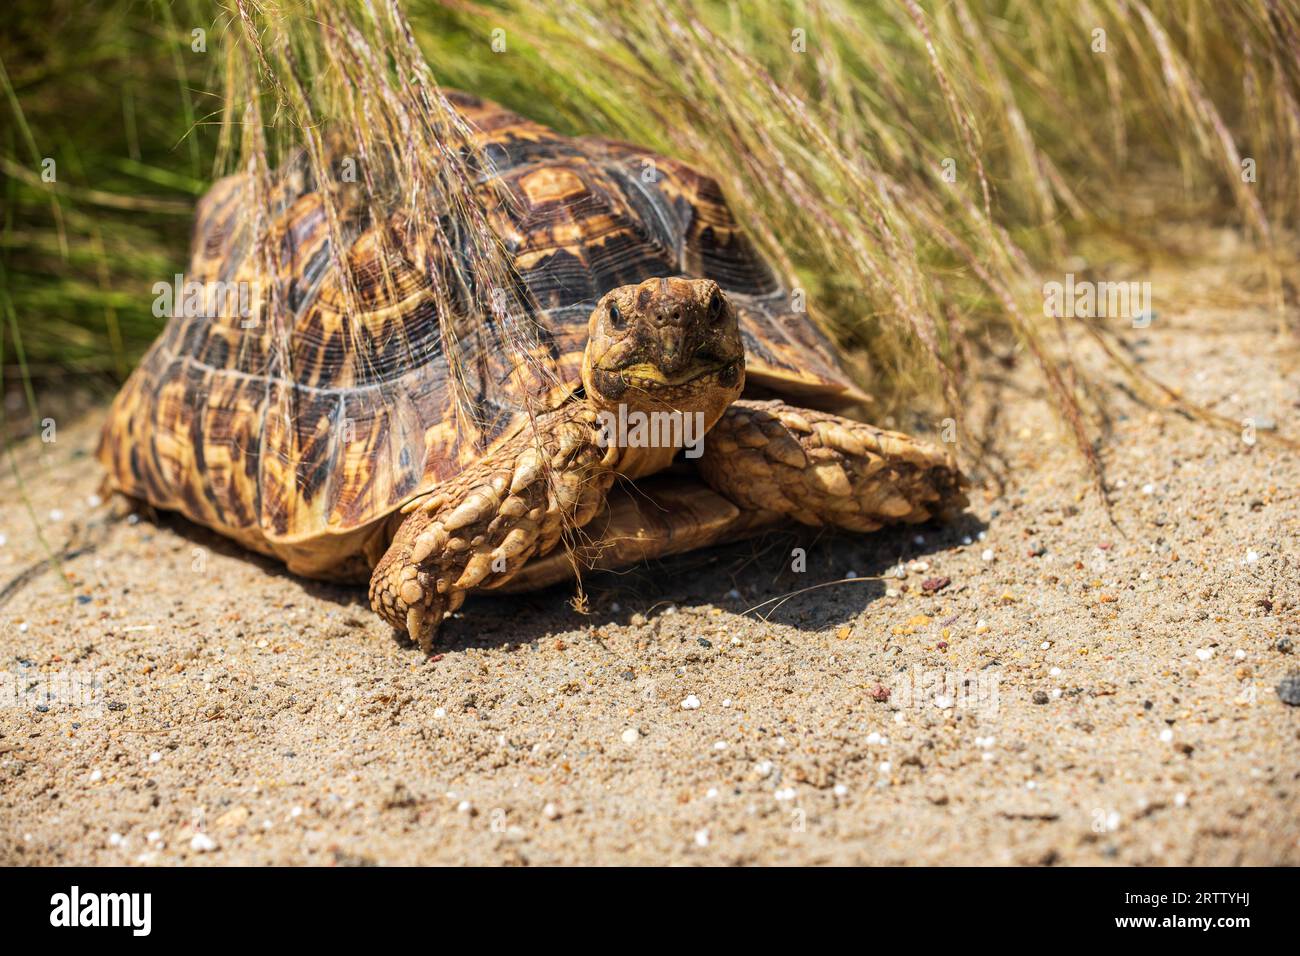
{"x":480,"y":528}
{"x":822,"y":469}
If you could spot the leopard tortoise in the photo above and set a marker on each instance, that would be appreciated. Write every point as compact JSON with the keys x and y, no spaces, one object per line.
{"x":340,"y":450}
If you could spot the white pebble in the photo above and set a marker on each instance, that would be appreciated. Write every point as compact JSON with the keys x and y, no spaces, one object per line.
{"x":763,"y":768}
{"x":885,"y":766}
{"x":786,"y":793}
{"x":296,"y":812}
{"x":551,"y":811}
{"x":115,"y":839}
{"x":720,"y":745}
{"x":691,"y":703}
{"x":986,"y":555}
{"x":155,"y":757}
{"x":1205,"y":653}
{"x":96,"y":776}
{"x":1252,"y":556}
{"x":464,"y":807}
{"x":1239,"y":654}
{"x":873,"y":738}
{"x":630,"y":735}
{"x":701,"y":837}
{"x":1148,"y":489}
{"x":1180,"y":799}
{"x":1055,"y":672}
{"x":439,"y":712}
{"x":153,"y":836}
{"x":202,"y":843}
{"x":840,"y":790}
{"x":1045,"y":645}
{"x":1166,"y":735}
{"x":56,"y":515}
{"x":726,"y":702}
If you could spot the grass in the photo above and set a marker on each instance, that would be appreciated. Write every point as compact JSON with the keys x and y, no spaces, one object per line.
{"x":915,"y":167}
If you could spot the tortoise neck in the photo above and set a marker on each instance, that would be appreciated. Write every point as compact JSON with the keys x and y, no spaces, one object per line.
{"x":646,"y":440}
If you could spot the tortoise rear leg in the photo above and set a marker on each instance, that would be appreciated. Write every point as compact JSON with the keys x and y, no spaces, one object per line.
{"x":479,"y":529}
{"x":822,"y":469}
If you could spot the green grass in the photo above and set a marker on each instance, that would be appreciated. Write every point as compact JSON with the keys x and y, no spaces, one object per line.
{"x":834,"y":156}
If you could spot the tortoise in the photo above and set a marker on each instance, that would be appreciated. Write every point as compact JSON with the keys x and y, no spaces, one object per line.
{"x":340,"y":451}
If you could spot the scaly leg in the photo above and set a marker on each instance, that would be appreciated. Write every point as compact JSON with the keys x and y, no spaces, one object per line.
{"x":480,"y":528}
{"x":822,"y":469}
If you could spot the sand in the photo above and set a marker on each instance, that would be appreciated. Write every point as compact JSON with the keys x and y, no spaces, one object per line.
{"x":1111,"y":699}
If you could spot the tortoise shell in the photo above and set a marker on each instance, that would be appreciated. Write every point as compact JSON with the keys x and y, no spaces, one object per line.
{"x":298,"y":436}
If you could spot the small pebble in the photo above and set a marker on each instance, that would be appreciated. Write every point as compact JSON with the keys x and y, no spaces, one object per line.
{"x":691,"y":703}
{"x":630,"y":735}
{"x":987,"y":555}
{"x":202,"y":843}
{"x":1288,"y":689}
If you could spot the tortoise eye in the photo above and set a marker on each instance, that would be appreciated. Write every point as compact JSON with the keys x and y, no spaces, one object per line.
{"x":615,"y":316}
{"x":717,"y":307}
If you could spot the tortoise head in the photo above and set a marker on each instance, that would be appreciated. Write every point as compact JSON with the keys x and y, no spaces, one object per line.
{"x":665,"y":345}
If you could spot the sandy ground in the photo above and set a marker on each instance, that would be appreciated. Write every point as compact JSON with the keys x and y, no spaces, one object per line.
{"x":1110,"y":692}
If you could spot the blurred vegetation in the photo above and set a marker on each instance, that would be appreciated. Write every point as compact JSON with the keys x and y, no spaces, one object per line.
{"x":834,"y":127}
